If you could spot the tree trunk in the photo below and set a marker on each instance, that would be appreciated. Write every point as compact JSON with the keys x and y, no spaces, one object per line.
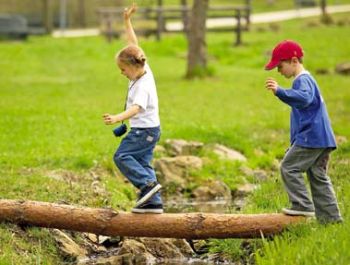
{"x":197,"y":49}
{"x":325,"y":17}
{"x":111,"y":223}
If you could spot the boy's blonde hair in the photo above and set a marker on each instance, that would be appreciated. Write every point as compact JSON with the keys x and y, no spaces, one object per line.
{"x":132,"y":55}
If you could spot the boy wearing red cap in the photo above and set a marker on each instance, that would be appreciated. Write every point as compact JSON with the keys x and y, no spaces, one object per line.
{"x":311,"y":137}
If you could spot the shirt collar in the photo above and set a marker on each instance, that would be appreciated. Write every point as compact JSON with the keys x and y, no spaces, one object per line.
{"x":304,"y":72}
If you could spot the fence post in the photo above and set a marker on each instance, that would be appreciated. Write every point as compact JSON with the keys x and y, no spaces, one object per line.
{"x":184,"y":13}
{"x":323,"y":7}
{"x":238,"y":27}
{"x":248,"y":12}
{"x":47,"y":16}
{"x":160,"y":22}
{"x":82,"y":21}
{"x":109,"y":30}
{"x":63,"y":16}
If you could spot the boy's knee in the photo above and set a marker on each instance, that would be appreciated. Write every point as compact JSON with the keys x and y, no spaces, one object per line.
{"x":285,"y":167}
{"x":118,"y":157}
{"x":319,"y":173}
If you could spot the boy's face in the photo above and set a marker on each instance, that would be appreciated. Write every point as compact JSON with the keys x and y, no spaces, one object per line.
{"x":288,"y":68}
{"x":285,"y":68}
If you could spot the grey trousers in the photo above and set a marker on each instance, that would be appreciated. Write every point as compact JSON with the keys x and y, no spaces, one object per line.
{"x":314,"y":162}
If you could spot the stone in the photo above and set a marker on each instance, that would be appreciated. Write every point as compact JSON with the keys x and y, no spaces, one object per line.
{"x":227,"y":153}
{"x":200,"y":246}
{"x":260,"y":175}
{"x":168,"y":248}
{"x":341,"y":139}
{"x":247,"y":171}
{"x":178,"y":147}
{"x":212,"y":190}
{"x":112,"y":260}
{"x":343,"y":68}
{"x":136,"y":251}
{"x":175,"y":170}
{"x":101,"y":239}
{"x":322,"y":71}
{"x":244,"y":190}
{"x":67,"y":245}
{"x":239,"y":203}
{"x":159,"y":150}
{"x":92,"y":237}
{"x":91,"y":243}
{"x":183,"y":246}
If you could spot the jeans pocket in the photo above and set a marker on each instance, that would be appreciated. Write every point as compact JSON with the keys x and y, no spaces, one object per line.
{"x":152,"y":134}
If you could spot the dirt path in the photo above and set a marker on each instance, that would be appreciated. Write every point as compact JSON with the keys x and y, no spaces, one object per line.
{"x":219,"y":22}
{"x":269,"y":16}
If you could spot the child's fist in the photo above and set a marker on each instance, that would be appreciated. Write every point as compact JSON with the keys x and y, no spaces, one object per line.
{"x":271,"y":84}
{"x":110,"y":119}
{"x":129,"y":11}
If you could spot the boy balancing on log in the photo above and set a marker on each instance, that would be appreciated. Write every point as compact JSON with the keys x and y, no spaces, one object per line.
{"x":312,"y":138}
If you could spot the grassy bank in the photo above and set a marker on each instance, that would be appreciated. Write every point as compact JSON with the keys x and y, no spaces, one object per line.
{"x":54,"y":91}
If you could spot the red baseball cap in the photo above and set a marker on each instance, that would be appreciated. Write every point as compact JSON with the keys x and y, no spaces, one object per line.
{"x":284,"y":50}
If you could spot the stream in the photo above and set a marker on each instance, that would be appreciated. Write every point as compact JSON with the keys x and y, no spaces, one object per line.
{"x":216,"y":206}
{"x":184,"y":206}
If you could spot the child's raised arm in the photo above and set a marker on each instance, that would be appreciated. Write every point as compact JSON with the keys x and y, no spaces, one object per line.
{"x":130,"y":33}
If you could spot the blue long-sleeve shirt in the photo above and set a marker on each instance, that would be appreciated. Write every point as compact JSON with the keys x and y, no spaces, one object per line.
{"x":309,"y":122}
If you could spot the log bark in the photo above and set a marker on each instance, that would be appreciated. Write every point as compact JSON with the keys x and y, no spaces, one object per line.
{"x":168,"y":225}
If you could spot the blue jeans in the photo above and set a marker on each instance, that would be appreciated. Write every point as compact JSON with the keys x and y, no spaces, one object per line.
{"x":134,"y":156}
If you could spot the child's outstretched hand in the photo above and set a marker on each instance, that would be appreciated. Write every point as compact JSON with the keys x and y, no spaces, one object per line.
{"x":271,"y":84}
{"x":129,"y":11}
{"x":110,"y":119}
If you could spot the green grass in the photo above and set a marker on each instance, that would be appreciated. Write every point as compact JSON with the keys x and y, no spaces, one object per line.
{"x":53,"y":93}
{"x":307,"y":245}
{"x":30,"y":246}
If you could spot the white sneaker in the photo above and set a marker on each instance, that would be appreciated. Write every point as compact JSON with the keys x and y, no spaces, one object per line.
{"x":150,"y":208}
{"x":148,"y":192}
{"x":298,"y":212}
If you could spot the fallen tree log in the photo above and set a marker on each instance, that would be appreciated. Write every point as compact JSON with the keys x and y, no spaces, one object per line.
{"x":169,"y":225}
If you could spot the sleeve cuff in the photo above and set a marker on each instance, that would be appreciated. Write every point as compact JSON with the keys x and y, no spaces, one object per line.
{"x":142,"y":108}
{"x":279,"y":92}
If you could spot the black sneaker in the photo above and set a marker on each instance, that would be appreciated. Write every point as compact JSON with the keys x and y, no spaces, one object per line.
{"x":292,"y":211}
{"x":147,"y":193}
{"x":148,"y":208}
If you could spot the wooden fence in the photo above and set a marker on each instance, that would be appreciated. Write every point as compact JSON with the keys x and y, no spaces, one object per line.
{"x":47,"y":13}
{"x":157,"y":20}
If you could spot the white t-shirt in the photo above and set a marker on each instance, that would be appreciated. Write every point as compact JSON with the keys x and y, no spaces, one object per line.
{"x":143,"y":92}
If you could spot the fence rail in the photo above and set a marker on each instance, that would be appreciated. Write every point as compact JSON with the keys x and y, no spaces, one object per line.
{"x":153,"y":21}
